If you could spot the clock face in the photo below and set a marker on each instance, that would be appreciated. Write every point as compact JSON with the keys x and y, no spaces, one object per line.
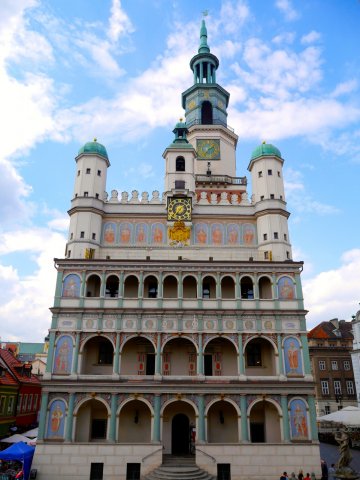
{"x":208,"y":149}
{"x":179,"y":208}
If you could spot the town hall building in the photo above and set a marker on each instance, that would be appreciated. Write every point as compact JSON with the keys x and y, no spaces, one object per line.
{"x":178,"y":326}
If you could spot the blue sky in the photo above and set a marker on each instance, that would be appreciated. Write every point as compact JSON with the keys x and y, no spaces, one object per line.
{"x":115,"y":70}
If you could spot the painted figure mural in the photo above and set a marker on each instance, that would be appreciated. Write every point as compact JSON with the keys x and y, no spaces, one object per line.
{"x":56,"y":420}
{"x":298,"y":420}
{"x":233,"y":234}
{"x":109,"y":232}
{"x":286,"y":288}
{"x":71,"y":286}
{"x":141,"y":230}
{"x":217,"y":234}
{"x":201,"y":233}
{"x":63,"y":355}
{"x":293,"y":357}
{"x":248,"y":234}
{"x":157,"y":233}
{"x":125,"y":233}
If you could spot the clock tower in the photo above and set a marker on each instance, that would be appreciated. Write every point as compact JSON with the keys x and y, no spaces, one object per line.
{"x":205,"y":104}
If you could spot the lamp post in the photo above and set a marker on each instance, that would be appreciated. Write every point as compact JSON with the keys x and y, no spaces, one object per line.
{"x":339,"y":398}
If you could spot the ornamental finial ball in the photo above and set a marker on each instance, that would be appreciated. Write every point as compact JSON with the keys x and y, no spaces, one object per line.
{"x":95,"y":139}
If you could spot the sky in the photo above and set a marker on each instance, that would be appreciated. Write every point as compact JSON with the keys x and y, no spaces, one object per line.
{"x":114,"y":70}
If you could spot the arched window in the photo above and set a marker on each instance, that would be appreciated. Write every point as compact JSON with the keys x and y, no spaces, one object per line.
{"x":180,"y":164}
{"x":112,"y":286}
{"x":206,"y":113}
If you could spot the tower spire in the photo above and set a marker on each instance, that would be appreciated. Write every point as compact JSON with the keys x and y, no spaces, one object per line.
{"x":203,"y":47}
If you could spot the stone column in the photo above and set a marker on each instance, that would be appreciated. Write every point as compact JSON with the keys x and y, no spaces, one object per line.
{"x":305,"y":354}
{"x":121,"y":289}
{"x":58,"y":289}
{"x":244,"y":422}
{"x":285,"y":413}
{"x":312,"y":414}
{"x":241,"y":364}
{"x":201,"y":419}
{"x":201,"y":72}
{"x":50,"y":355}
{"x":82,"y":289}
{"x":158,"y":355}
{"x":281,"y":364}
{"x":112,"y":432}
{"x":117,"y":355}
{"x":200,"y":358}
{"x":157,"y":420}
{"x":42,"y":417}
{"x":70,"y":418}
{"x":76,"y":354}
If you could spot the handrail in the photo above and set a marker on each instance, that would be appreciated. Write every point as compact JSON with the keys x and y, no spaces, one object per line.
{"x":211,"y":457}
{"x":152,"y":453}
{"x":215,"y":121}
{"x":221,"y":179}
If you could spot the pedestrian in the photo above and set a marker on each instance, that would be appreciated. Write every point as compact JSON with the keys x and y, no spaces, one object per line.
{"x":324,"y":470}
{"x":307,"y":477}
{"x":332,"y":471}
{"x":284,"y":476}
{"x":300,"y":475}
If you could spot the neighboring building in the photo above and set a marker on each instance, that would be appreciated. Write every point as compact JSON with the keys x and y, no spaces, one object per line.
{"x":355,"y":354}
{"x":27,"y":401}
{"x":330,"y":345}
{"x":178,"y":321}
{"x":33,"y":353}
{"x":9,"y":389}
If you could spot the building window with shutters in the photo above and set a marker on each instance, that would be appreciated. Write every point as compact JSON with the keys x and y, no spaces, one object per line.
{"x":334,"y":365}
{"x":347,"y":365}
{"x":324,"y":387}
{"x":350,"y":387}
{"x":322,"y":365}
{"x":337,"y":387}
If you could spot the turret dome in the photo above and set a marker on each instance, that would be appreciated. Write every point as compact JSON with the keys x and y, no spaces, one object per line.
{"x":94,"y":147}
{"x":265,"y":149}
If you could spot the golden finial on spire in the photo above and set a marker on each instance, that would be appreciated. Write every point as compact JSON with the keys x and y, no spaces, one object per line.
{"x":205,"y":13}
{"x":95,"y":139}
{"x":264,"y":141}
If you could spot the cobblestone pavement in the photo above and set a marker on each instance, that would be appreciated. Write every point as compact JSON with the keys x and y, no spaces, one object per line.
{"x":330,"y":453}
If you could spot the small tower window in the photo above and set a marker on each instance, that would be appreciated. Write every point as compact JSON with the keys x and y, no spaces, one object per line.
{"x":272,"y":196}
{"x":99,"y":173}
{"x":276,"y":235}
{"x":94,"y":236}
{"x":96,"y":195}
{"x":262,"y":197}
{"x":88,"y":171}
{"x":279,"y":174}
{"x":266,"y":255}
{"x":71,"y":236}
{"x":288,"y":255}
{"x":281,"y":197}
{"x":260,"y":174}
{"x":265,"y":236}
{"x":180,"y":164}
{"x":86,"y":194}
{"x":206,"y":113}
{"x":78,"y":173}
{"x":179,"y":185}
{"x":82,"y":234}
{"x":285,"y":237}
{"x":269,"y":172}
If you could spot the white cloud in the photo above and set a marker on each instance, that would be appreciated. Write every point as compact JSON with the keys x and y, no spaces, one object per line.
{"x":310,"y":37}
{"x":334,"y":293}
{"x":285,"y":6}
{"x":284,"y":38}
{"x":25,"y":300}
{"x":119,"y":23}
{"x":345,"y":88}
{"x":233,"y":15}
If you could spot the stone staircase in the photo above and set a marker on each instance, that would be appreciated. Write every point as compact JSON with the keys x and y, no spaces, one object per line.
{"x":178,"y":467}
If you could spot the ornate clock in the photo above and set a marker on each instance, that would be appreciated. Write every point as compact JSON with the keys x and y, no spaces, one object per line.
{"x":208,"y":149}
{"x":179,"y":208}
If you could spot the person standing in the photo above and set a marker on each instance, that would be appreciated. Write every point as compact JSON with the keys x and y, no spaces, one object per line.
{"x":331,"y":472}
{"x":324,"y":470}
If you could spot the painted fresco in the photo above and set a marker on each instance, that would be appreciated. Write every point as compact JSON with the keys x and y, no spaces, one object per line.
{"x":286,"y":288}
{"x":109,"y":232}
{"x":141,"y":233}
{"x":293,"y":357}
{"x":233,"y":234}
{"x":158,"y":233}
{"x":63,"y":355}
{"x":298,"y":420}
{"x":248,"y":234}
{"x":201,"y":234}
{"x":217,"y":234}
{"x":125,"y":233}
{"x":71,"y":286}
{"x":56,"y":420}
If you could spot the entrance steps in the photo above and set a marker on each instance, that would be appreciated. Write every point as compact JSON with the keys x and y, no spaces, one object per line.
{"x":178,"y":467}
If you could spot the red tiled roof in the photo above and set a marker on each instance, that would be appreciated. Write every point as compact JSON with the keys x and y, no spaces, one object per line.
{"x":328,"y":329}
{"x":16,"y":368}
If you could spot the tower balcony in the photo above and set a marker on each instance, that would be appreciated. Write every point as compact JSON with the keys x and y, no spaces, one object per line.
{"x":219,"y":180}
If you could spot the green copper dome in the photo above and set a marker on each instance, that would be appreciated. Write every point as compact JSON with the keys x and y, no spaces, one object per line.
{"x":94,"y":147}
{"x":265,"y":149}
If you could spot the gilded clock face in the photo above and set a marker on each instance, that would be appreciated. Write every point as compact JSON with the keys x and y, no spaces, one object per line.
{"x":179,"y":208}
{"x":208,"y":149}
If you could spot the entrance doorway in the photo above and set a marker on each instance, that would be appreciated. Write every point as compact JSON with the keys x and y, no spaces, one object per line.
{"x":180,"y":434}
